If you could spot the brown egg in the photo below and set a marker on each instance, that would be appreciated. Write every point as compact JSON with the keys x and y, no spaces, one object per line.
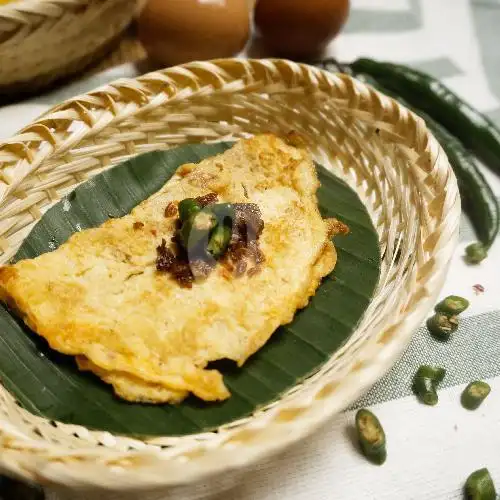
{"x":299,"y":28}
{"x":178,"y":31}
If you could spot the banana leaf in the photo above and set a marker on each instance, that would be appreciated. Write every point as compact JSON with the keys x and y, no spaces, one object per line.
{"x":49,"y":384}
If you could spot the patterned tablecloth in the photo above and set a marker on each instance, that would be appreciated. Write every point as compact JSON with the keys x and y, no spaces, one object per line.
{"x":430,"y":450}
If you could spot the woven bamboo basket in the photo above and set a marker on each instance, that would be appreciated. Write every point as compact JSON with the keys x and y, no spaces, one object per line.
{"x":42,"y":41}
{"x":383,"y":151}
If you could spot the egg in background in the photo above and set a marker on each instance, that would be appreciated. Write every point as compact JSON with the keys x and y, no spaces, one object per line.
{"x":177,"y":31}
{"x":299,"y":29}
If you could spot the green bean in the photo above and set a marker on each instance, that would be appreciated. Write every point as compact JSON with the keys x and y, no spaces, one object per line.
{"x":475,"y":253}
{"x":425,"y":382}
{"x":442,"y":326}
{"x":474,"y":394}
{"x":371,"y":436}
{"x":452,"y":305}
{"x":480,"y":486}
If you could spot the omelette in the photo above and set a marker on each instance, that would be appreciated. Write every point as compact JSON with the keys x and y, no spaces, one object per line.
{"x":119,"y":298}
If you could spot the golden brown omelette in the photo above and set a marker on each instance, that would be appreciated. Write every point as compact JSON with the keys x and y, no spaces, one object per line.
{"x":101,"y":298}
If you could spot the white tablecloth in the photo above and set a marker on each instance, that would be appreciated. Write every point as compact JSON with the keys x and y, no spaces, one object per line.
{"x":431,"y":450}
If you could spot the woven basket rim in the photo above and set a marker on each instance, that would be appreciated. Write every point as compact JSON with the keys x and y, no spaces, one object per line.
{"x":264,"y":435}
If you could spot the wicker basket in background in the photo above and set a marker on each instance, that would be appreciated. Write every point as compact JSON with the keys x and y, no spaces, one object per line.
{"x":42,"y":41}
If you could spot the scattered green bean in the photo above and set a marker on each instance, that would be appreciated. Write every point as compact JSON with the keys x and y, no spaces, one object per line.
{"x":442,"y":326}
{"x":425,"y":382}
{"x":474,"y":394}
{"x":452,"y":305}
{"x":480,"y":486}
{"x":475,"y":253}
{"x":371,"y":436}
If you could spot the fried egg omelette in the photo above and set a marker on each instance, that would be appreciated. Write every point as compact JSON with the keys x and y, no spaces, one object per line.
{"x":99,"y":296}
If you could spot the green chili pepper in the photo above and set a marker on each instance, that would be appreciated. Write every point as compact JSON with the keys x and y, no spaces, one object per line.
{"x":425,"y":382}
{"x":477,"y":132}
{"x":196,"y":228}
{"x":452,"y":305}
{"x":188,"y":208}
{"x":442,"y":326}
{"x":473,"y":129}
{"x":223,"y":210}
{"x":219,"y":240}
{"x":211,"y":224}
{"x":474,"y":394}
{"x":475,"y":253}
{"x":480,"y":486}
{"x":478,"y":199}
{"x":371,"y":436}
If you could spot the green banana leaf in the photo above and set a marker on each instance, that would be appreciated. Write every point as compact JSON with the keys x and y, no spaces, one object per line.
{"x":49,"y":384}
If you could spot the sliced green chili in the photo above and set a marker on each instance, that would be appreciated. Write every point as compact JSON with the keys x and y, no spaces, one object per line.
{"x":474,"y":394}
{"x":196,"y":229}
{"x":219,"y":240}
{"x":371,"y":436}
{"x":452,"y":305}
{"x":207,"y":229}
{"x":480,"y":486}
{"x":187,"y":208}
{"x":442,"y":326}
{"x":223,"y":210}
{"x":475,"y":253}
{"x":425,"y":382}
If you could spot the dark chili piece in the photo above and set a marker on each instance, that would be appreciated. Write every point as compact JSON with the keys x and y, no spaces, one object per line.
{"x":181,"y":271}
{"x":207,"y":199}
{"x":165,"y":257}
{"x":170,"y":210}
